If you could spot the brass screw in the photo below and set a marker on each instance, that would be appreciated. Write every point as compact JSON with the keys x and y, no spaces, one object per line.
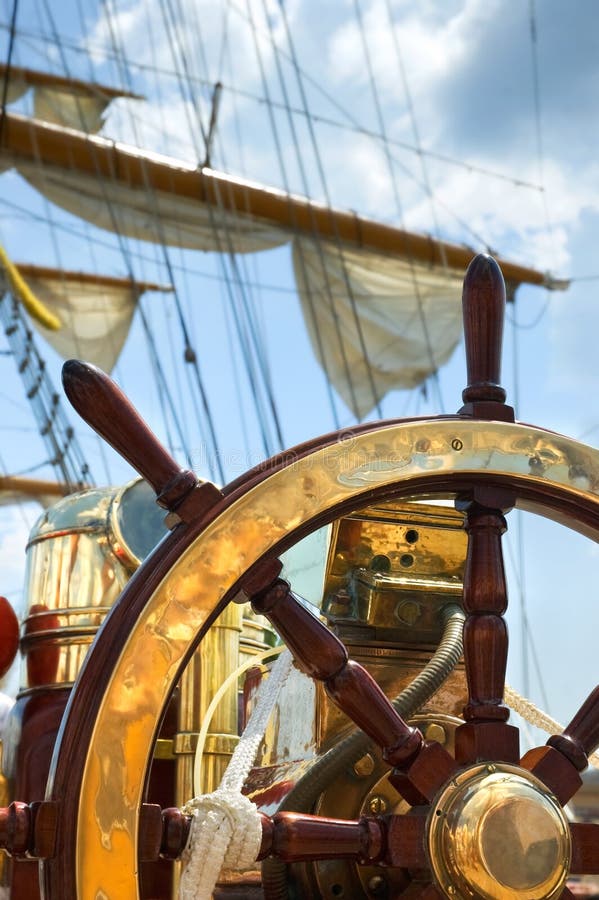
{"x":491,"y":769}
{"x":364,"y":766}
{"x":377,"y":805}
{"x":457,"y":444}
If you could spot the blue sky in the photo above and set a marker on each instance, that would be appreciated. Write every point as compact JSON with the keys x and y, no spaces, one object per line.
{"x":468,"y":96}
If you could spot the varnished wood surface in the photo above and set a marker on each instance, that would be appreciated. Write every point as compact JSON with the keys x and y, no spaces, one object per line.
{"x":322,"y":656}
{"x":483,"y":305}
{"x":581,"y":737}
{"x":485,"y":601}
{"x":585,"y":848}
{"x":297,"y":837}
{"x":555,"y":770}
{"x":102,"y":404}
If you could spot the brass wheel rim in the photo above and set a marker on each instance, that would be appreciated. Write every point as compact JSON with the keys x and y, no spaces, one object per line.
{"x":551,"y":474}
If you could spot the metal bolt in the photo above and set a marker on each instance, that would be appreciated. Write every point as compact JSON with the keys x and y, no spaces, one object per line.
{"x":491,"y":769}
{"x":457,"y":444}
{"x":364,"y":766}
{"x":377,"y":805}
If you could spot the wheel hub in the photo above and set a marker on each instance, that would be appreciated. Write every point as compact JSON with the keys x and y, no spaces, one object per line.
{"x":496,"y":831}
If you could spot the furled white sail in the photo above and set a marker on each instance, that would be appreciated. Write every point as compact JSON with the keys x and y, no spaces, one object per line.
{"x":152,"y":214}
{"x":63,"y":101}
{"x":376,"y":323}
{"x":70,"y":108}
{"x":93,"y":312}
{"x":95,"y":318}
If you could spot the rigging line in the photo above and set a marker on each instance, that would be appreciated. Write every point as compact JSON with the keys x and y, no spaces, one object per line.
{"x":356,"y":126}
{"x":306,"y":77}
{"x":533,"y":324}
{"x":161,"y":399}
{"x":415,"y":129}
{"x":237,"y":383}
{"x":11,"y":44}
{"x":28,"y":215}
{"x":190,"y":355}
{"x":191,"y":95}
{"x":531,"y":643}
{"x":228,"y":313}
{"x":232,"y":255}
{"x":299,"y":244}
{"x":287,"y":189}
{"x":174,"y":358}
{"x":399,"y":206}
{"x":352,"y":299}
{"x":520,"y":536}
{"x":87,"y":234}
{"x":224,"y":46}
{"x":247,"y":353}
{"x":537,"y":116}
{"x":120,"y":239}
{"x":247,"y":302}
{"x":351,"y":126}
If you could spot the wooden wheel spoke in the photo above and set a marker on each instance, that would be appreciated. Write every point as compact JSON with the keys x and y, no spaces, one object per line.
{"x":295,"y":837}
{"x":485,"y":734}
{"x":585,"y":848}
{"x":565,"y":755}
{"x":485,"y":601}
{"x":581,"y":736}
{"x":321,"y":655}
{"x":406,"y":838}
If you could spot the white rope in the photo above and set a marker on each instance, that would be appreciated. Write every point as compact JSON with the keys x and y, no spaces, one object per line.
{"x":534,"y":715}
{"x":226,"y":829}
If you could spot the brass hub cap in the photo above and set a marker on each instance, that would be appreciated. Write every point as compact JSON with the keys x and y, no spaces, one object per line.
{"x":495,"y":831}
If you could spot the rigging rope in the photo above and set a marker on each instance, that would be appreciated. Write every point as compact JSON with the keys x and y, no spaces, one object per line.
{"x":299,"y":79}
{"x":399,"y":206}
{"x":253,"y":353}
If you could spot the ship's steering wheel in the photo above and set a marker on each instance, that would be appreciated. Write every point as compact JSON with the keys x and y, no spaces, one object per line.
{"x":483,"y":824}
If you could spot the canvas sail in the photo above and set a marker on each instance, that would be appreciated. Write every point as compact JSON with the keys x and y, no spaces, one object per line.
{"x":63,"y":101}
{"x":381,"y":304}
{"x":94,"y":312}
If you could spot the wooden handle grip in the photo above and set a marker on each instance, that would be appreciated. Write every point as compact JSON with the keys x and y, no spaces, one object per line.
{"x":102,"y":404}
{"x":483,"y":304}
{"x":581,"y":736}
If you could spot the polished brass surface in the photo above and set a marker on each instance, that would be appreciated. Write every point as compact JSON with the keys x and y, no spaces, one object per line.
{"x":404,"y":456}
{"x":496,"y":831}
{"x":199,"y":683}
{"x":415,"y":549}
{"x":79,"y":557}
{"x":393,"y":668}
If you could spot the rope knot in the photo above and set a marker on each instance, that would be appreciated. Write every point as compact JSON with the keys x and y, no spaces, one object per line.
{"x":226,"y":833}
